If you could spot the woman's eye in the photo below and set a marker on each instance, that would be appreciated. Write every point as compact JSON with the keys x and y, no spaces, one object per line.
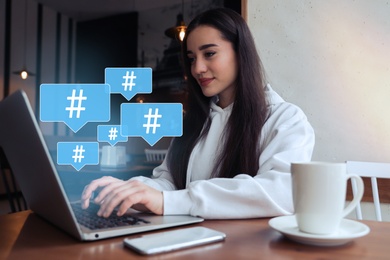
{"x":191,"y":60}
{"x":209,"y":54}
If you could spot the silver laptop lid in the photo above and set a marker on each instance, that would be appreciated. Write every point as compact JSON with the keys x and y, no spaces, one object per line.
{"x":28,"y":155}
{"x":30,"y":161}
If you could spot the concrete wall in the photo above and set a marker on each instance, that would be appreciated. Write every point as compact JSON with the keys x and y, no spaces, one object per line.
{"x":332,"y":58}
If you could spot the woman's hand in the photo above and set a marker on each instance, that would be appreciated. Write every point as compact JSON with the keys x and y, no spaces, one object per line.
{"x":125,"y":194}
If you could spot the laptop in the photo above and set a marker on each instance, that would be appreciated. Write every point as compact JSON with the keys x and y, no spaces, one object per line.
{"x":38,"y":178}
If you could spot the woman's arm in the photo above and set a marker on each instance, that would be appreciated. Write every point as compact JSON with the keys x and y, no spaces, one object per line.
{"x":287,"y":136}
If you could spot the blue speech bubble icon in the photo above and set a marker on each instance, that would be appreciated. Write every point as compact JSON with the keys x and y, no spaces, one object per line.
{"x":152,"y":121}
{"x":110,"y":134}
{"x":129,"y":81}
{"x":75,"y":104}
{"x":78,"y":154}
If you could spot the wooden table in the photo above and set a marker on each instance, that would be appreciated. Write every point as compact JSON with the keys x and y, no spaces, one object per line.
{"x":24,"y":235}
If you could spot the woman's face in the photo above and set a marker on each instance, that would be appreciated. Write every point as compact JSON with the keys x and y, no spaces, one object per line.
{"x":213,"y":63}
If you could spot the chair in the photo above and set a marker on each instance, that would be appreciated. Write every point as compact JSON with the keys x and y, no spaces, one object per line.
{"x":155,"y":155}
{"x":372,"y":170}
{"x":15,"y":197}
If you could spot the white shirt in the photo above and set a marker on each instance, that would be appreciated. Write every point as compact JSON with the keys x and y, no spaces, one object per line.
{"x":287,"y":136}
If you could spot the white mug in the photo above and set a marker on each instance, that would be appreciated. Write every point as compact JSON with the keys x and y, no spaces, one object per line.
{"x":113,"y":156}
{"x":319,"y":194}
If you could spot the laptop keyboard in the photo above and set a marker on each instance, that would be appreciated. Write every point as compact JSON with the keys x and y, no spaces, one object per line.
{"x":89,"y":218}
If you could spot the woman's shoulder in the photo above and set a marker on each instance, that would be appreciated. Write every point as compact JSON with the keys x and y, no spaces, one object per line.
{"x":272,"y":96}
{"x":281,"y":111}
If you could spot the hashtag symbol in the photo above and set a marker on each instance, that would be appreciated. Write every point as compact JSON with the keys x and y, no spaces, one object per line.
{"x":113,"y":133}
{"x":128,"y":78}
{"x":78,"y":153}
{"x":72,"y":99}
{"x":149,"y":116}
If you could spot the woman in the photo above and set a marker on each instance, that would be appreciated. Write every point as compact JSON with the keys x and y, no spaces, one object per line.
{"x":239,"y":136}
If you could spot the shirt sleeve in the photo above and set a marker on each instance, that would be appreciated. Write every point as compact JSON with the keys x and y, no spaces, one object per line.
{"x":161,"y":178}
{"x":287,"y":136}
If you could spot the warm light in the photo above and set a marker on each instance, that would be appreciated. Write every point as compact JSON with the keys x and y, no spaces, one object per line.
{"x":140,"y":99}
{"x":177,"y":32}
{"x":23,"y":74}
{"x":182,"y":33}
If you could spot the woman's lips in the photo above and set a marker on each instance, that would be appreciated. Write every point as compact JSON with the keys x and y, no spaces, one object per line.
{"x":205,"y":81}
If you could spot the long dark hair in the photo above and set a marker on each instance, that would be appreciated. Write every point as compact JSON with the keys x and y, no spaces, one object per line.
{"x":240,"y":152}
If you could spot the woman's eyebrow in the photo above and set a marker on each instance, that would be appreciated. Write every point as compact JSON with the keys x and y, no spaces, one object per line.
{"x":203,"y":47}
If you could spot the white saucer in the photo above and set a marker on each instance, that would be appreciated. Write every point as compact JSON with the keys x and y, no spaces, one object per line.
{"x":349,"y":230}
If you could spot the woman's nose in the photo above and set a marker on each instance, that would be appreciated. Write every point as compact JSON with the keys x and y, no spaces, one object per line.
{"x":199,"y":67}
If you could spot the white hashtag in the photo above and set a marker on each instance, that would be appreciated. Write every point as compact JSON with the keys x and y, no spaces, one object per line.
{"x":149,"y":116}
{"x":128,"y":84}
{"x":72,"y":99}
{"x":78,"y":153}
{"x":113,"y":133}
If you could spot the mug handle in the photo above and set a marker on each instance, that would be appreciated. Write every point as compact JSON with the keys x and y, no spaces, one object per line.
{"x":358,"y":196}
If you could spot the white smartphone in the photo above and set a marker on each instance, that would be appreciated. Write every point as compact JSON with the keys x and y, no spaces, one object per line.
{"x":173,"y":240}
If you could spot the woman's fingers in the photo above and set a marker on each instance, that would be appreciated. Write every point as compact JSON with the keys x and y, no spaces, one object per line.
{"x":90,"y":188}
{"x":128,"y":194}
{"x":111,"y":187}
